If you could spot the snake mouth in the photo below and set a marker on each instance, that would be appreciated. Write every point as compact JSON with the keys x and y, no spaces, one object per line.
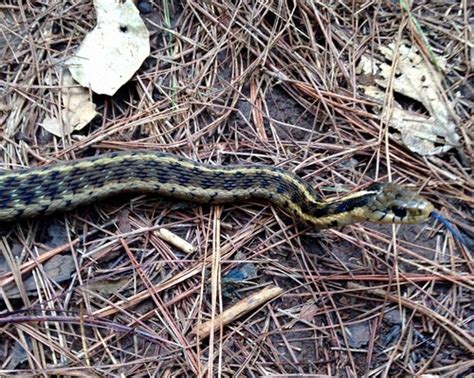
{"x":400,"y":215}
{"x":396,"y":204}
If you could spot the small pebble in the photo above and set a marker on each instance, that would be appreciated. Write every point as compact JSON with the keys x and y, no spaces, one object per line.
{"x":144,"y":6}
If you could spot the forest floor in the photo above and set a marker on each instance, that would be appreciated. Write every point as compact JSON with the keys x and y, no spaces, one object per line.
{"x":100,"y":291}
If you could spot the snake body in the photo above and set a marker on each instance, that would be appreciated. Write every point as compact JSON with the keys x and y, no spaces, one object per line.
{"x":61,"y":187}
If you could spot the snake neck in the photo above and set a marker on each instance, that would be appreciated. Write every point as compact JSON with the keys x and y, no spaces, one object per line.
{"x":338,"y":212}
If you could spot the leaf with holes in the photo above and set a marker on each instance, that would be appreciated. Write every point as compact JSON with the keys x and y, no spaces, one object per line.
{"x":114,"y":50}
{"x":428,"y":131}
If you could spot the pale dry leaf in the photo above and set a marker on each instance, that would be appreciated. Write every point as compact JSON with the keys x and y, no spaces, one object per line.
{"x":53,"y":126}
{"x":415,"y":79}
{"x":77,"y":108}
{"x":426,"y":135}
{"x":418,"y":132}
{"x":114,"y":50}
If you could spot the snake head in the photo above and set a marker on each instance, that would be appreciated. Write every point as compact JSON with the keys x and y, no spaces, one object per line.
{"x":393,"y":203}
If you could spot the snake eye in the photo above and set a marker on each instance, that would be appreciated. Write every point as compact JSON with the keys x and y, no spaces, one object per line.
{"x":399,"y":212}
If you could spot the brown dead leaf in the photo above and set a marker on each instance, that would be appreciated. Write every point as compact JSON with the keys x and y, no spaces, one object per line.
{"x":414,"y":78}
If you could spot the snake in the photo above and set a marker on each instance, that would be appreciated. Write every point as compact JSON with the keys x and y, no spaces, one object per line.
{"x":38,"y":191}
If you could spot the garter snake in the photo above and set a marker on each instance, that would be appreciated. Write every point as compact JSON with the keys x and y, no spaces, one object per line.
{"x":60,"y":187}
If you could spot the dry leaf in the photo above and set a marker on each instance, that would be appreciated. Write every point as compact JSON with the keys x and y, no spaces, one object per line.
{"x":78,"y":110}
{"x":53,"y":126}
{"x":114,"y":50}
{"x":413,"y":78}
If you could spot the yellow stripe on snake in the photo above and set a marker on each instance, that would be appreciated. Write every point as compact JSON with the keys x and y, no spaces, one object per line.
{"x":62,"y":187}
